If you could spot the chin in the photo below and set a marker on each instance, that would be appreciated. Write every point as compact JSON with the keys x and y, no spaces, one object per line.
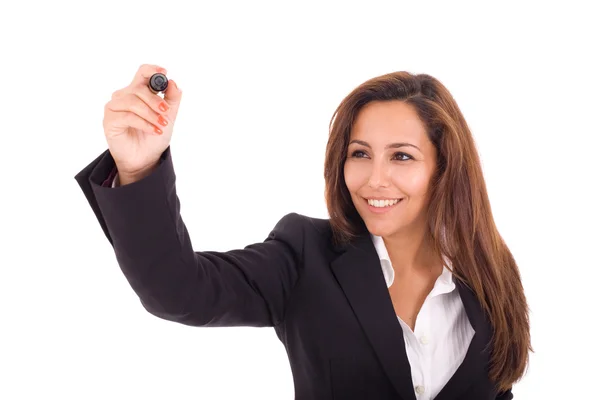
{"x":381,"y":228}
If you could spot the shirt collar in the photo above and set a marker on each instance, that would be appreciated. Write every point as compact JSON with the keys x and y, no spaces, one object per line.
{"x":443,"y":284}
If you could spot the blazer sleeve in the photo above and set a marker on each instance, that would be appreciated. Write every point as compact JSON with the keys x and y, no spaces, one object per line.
{"x":142,"y":222}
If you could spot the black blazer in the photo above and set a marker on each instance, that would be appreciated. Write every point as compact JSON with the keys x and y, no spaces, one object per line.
{"x":329,"y":305}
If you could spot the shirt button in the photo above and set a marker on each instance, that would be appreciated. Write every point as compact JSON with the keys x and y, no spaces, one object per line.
{"x":420,"y":389}
{"x":424,"y":340}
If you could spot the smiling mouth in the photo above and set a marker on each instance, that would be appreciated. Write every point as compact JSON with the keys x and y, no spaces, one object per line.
{"x":383,"y":203}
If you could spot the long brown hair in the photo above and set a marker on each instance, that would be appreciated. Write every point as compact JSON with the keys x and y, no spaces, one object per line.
{"x":458,"y":205}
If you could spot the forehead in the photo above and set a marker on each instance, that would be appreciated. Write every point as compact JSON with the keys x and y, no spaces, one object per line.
{"x":388,"y":120}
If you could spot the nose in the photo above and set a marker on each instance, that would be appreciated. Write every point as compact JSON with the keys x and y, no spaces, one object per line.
{"x":379,"y":176}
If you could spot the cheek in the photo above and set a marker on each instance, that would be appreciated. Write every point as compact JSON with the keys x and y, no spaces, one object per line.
{"x":413,"y":182}
{"x":354,"y":176}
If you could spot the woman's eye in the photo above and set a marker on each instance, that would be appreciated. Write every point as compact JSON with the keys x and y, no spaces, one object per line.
{"x":398,"y":156}
{"x":358,"y":154}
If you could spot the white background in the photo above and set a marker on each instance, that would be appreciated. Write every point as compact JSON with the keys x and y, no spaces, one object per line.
{"x":261,"y":81}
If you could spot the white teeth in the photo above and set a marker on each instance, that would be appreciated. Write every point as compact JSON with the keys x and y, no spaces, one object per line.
{"x":382,"y":203}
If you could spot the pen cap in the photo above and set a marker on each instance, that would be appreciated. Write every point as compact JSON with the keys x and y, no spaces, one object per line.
{"x":158,"y":83}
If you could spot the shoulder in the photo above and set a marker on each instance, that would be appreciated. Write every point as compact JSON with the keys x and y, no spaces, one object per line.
{"x":302,"y":224}
{"x":302,"y":230}
{"x":296,"y":221}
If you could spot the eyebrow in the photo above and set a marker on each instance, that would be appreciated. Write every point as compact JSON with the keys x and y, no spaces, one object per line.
{"x":389,"y":146}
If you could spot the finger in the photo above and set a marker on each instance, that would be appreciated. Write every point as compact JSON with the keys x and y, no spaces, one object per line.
{"x":132,"y":103}
{"x":154,"y":101}
{"x":173,"y":94}
{"x":125,"y":119}
{"x":144,"y":73}
{"x":118,"y":93}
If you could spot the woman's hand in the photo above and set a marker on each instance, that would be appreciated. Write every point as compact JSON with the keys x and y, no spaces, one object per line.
{"x":138,"y":124}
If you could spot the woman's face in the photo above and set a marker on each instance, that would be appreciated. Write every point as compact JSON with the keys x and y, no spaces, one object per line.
{"x":389,"y":166}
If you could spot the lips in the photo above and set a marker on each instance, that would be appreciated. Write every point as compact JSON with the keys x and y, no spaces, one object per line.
{"x":382,"y":202}
{"x":382,"y":206}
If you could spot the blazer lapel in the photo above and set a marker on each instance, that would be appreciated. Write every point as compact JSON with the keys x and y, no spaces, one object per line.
{"x":475,"y":364}
{"x":358,"y":271}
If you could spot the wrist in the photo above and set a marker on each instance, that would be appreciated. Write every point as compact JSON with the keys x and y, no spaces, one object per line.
{"x":126,"y":178}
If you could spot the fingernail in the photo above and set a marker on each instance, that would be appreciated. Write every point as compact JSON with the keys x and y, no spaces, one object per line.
{"x":158,"y":130}
{"x":162,"y":120}
{"x":163,"y":106}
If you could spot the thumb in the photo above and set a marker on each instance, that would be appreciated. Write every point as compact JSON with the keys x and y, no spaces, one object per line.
{"x":172,"y":94}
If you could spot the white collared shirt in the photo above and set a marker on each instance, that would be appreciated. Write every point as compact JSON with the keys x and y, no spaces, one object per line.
{"x":442,"y":333}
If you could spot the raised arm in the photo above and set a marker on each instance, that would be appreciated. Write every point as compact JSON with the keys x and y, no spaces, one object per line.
{"x":142,"y":221}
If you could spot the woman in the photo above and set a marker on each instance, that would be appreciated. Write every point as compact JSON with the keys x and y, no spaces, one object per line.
{"x":406,"y":292}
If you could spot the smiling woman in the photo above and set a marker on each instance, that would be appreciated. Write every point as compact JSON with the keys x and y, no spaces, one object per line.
{"x":401,"y":163}
{"x":385,"y":164}
{"x":407,"y":290}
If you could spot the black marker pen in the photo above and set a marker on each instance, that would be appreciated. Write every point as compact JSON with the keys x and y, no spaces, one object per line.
{"x":158,"y":83}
